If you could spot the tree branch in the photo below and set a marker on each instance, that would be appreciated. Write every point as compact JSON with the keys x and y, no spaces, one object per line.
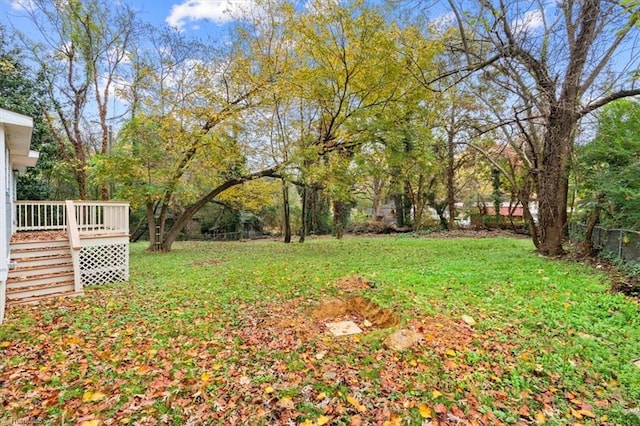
{"x":608,"y":99}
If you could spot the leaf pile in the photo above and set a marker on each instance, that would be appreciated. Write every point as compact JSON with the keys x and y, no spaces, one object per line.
{"x":171,"y":349}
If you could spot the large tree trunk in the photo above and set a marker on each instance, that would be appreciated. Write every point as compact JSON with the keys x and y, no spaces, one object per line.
{"x":287,"y":212}
{"x":553,"y":183}
{"x":451,"y":189}
{"x":339,"y":211}
{"x":151,"y":220}
{"x":303,"y":229}
{"x":166,"y":240}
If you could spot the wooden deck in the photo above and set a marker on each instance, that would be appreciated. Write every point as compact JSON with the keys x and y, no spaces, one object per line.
{"x":58,"y":248}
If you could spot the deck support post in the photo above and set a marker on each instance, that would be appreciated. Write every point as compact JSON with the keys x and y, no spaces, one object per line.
{"x":76,"y":245}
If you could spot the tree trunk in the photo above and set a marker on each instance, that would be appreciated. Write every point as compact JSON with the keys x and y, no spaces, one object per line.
{"x":451,"y":189}
{"x":287,"y":212}
{"x":303,"y":228}
{"x":592,"y":221}
{"x":524,"y":195}
{"x":339,"y":211}
{"x":139,"y":230}
{"x":153,"y":232}
{"x":553,"y":183}
{"x":170,"y":237}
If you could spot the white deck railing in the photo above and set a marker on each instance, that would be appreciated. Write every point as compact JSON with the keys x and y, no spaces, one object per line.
{"x":91,"y":217}
{"x":96,"y":230}
{"x":40,"y":216}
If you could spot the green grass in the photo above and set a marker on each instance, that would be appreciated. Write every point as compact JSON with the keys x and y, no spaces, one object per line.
{"x":194,"y":335}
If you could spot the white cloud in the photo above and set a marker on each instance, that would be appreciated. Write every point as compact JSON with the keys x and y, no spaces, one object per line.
{"x":442,"y":22}
{"x":22,"y":5}
{"x":531,"y":20}
{"x":219,"y":11}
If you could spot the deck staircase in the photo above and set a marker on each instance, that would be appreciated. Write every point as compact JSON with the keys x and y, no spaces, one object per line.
{"x":41,"y":270}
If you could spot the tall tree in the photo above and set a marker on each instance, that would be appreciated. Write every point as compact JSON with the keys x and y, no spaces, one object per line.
{"x":608,"y":170}
{"x":194,"y":110}
{"x":21,"y":92}
{"x":349,"y":72}
{"x":558,"y":62}
{"x":80,"y":46}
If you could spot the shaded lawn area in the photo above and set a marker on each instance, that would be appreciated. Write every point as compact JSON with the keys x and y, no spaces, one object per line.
{"x":220,"y":333}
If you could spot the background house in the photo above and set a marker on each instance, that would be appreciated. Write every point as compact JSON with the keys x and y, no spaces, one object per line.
{"x":15,"y":157}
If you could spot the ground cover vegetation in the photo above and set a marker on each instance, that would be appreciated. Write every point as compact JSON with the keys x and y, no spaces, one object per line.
{"x":227,"y":333}
{"x":423,"y":106}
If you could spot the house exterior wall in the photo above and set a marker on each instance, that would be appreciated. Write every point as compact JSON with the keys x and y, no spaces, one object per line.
{"x":15,"y":141}
{"x":5,"y":217}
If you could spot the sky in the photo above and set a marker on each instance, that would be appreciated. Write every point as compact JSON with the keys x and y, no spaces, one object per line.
{"x":197,"y":17}
{"x":204,"y":19}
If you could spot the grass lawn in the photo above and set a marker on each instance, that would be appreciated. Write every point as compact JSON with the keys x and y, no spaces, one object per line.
{"x":221,"y":333}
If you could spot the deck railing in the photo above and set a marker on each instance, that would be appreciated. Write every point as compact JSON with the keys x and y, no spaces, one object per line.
{"x":91,"y":217}
{"x":40,"y":216}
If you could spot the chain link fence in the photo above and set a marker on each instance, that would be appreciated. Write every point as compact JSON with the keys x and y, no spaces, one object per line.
{"x":233,"y":236}
{"x":623,"y":243}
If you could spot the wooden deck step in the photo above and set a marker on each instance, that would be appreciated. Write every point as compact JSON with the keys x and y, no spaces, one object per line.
{"x":42,"y":268}
{"x":14,"y":283}
{"x":47,"y":259}
{"x":35,"y":269}
{"x":39,"y":290}
{"x":37,"y":299}
{"x":26,"y":245}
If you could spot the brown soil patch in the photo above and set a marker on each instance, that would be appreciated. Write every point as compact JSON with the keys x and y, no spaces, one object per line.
{"x":356,"y":305}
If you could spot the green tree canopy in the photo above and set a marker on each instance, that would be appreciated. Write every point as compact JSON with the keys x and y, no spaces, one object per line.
{"x":609,"y":166}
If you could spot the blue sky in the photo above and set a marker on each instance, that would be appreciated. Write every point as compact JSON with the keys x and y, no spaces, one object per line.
{"x":197,"y":17}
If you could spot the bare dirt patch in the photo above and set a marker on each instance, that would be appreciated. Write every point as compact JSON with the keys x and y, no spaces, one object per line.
{"x":359,"y":306}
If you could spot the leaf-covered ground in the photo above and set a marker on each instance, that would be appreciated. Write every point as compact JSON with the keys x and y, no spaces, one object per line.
{"x":224,"y":333}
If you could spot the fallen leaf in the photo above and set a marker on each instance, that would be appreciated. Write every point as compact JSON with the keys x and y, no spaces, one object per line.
{"x":93,"y":396}
{"x":469,"y":320}
{"x":394,"y":420}
{"x":587,"y":413}
{"x":322,"y":420}
{"x":286,"y":403}
{"x":321,"y":396}
{"x":353,"y":401}
{"x":90,"y":423}
{"x":541,"y":418}
{"x":425,"y":411}
{"x":5,"y":344}
{"x":450,"y":352}
{"x":268,"y":389}
{"x":356,"y":420}
{"x":440,"y":408}
{"x":205,"y":377}
{"x":244,"y":380}
{"x":306,"y":423}
{"x":436,"y":394}
{"x":576,"y":414}
{"x":524,"y":411}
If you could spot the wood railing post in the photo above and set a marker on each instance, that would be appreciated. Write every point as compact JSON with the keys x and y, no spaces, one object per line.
{"x":76,"y":245}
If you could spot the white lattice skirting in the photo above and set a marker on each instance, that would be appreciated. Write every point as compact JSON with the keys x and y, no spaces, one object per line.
{"x":107,"y":263}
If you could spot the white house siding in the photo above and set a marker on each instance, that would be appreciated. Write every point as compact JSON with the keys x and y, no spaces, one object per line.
{"x":15,"y":155}
{"x":5,"y":218}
